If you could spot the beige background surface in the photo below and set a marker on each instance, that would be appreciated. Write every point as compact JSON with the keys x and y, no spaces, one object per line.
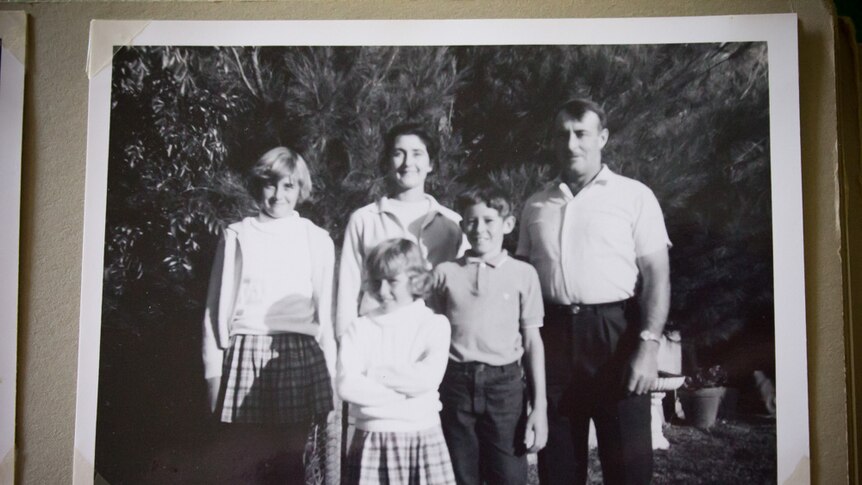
{"x":53,"y":194}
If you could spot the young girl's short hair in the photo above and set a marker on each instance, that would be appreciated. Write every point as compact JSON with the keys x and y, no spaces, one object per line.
{"x":393,"y":257}
{"x":276,"y":164}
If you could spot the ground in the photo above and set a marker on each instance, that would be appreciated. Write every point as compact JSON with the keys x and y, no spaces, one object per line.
{"x":732,"y":451}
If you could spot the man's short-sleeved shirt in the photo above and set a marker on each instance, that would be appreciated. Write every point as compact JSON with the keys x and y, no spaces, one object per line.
{"x":585,"y":246}
{"x":487,"y":303}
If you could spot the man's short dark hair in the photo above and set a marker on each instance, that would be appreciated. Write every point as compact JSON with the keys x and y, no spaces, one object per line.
{"x":491,"y":196}
{"x":432,"y":146}
{"x":578,"y":107}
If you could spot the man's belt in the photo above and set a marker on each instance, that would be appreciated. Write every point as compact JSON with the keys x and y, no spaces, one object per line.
{"x":564,"y":311}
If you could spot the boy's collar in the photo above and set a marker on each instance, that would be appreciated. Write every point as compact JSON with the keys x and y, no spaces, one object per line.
{"x":493,"y":262}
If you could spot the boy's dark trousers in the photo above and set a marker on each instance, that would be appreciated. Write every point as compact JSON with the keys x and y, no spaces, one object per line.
{"x":587,"y":350}
{"x":483,"y":421}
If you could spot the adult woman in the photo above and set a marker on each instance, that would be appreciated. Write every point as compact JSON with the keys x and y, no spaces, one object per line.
{"x":406,"y":212}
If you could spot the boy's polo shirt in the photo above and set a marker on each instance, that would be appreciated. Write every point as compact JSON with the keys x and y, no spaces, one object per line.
{"x":487,"y":303}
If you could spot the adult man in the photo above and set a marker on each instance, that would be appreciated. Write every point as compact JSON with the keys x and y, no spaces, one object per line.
{"x":591,"y":236}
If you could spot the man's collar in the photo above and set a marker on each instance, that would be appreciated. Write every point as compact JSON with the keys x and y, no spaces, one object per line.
{"x":493,"y":262}
{"x":602,"y":178}
{"x":604,"y":175}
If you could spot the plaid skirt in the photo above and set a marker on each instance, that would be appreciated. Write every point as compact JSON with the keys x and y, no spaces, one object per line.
{"x":399,"y":458}
{"x":274,"y":379}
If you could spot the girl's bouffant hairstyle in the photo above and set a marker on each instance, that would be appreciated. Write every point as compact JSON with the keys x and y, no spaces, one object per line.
{"x":393,"y":257}
{"x":276,"y":164}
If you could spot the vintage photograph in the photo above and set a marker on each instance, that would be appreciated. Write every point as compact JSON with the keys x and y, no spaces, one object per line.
{"x":440,"y":262}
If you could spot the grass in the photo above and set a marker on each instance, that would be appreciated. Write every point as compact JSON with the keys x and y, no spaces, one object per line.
{"x":732,"y":451}
{"x":737,"y":451}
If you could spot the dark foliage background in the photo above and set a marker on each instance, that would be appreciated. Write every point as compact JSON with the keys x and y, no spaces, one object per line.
{"x":688,"y":120}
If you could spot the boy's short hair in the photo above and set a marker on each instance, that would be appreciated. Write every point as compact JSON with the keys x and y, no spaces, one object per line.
{"x":393,"y":257}
{"x":578,"y":107}
{"x":276,"y":164}
{"x":432,"y":146}
{"x":491,"y":196}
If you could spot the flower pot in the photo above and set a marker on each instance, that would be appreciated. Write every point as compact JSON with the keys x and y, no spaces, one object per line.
{"x":701,"y":405}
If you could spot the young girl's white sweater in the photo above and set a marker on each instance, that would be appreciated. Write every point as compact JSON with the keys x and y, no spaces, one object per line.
{"x":390,"y":366}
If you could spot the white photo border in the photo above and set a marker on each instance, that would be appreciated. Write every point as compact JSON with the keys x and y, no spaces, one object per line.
{"x":12,"y":71}
{"x":779,"y":31}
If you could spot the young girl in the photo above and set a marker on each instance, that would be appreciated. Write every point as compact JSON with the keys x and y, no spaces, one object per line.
{"x":408,"y":212}
{"x":268,"y":346}
{"x":391,"y":362}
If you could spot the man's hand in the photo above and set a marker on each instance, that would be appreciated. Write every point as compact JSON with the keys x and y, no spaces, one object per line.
{"x":655,"y":303}
{"x":213,"y":387}
{"x":643,"y":368}
{"x":536,"y":435}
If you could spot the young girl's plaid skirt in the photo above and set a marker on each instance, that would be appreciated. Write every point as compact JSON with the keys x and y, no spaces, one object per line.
{"x":399,"y":458}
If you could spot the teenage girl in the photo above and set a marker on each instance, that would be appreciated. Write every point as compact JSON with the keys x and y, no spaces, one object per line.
{"x":391,"y":362}
{"x":268,"y":345}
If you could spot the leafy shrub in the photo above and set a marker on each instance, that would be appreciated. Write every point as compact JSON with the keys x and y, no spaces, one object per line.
{"x":690,"y":121}
{"x":714,"y":376}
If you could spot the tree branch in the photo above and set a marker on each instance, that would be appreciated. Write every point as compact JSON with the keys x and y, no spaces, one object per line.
{"x":255,"y":62}
{"x":242,"y":73}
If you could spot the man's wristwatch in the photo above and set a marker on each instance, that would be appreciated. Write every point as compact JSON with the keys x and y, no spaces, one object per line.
{"x":647,"y":336}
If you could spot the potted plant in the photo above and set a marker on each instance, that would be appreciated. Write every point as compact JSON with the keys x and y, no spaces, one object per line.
{"x":701,"y":396}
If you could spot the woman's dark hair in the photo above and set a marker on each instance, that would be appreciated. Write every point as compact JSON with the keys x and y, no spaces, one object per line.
{"x":432,"y":146}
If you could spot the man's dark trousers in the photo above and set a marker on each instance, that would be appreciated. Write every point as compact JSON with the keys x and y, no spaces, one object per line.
{"x":587,"y":350}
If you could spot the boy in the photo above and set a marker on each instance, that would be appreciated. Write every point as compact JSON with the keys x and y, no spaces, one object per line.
{"x":494,"y":304}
